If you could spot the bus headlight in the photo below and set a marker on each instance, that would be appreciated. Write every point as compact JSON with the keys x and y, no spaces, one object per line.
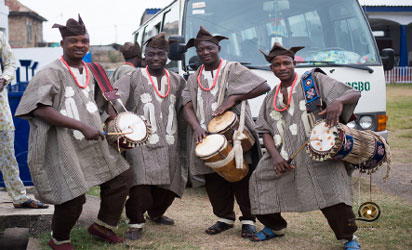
{"x":366,"y":122}
{"x":351,"y":124}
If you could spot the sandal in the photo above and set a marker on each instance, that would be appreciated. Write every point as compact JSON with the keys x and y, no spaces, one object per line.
{"x":133,"y":233}
{"x":265,"y":234}
{"x":218,"y":227}
{"x":31,"y":204}
{"x":248,"y":231}
{"x":352,"y":245}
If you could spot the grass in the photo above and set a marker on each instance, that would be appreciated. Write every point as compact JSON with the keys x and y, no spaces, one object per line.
{"x":193,"y":213}
{"x":399,"y":110}
{"x":305,"y":231}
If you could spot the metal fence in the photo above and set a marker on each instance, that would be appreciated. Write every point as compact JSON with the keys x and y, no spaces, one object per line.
{"x":399,"y":75}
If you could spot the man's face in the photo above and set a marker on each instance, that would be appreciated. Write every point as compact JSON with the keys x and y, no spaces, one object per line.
{"x":283,"y":67}
{"x":208,"y":52}
{"x":155,"y":58}
{"x":75,"y":47}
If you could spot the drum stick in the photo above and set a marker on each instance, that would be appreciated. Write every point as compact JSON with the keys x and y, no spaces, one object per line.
{"x":294,"y":154}
{"x":117,"y":133}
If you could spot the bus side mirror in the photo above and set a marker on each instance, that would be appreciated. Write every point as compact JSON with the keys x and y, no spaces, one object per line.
{"x":177,"y":48}
{"x":388,"y":58}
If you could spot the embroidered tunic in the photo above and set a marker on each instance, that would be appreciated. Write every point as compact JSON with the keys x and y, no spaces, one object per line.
{"x":240,"y":81}
{"x":158,"y":161}
{"x":311,"y":185}
{"x":63,"y":164}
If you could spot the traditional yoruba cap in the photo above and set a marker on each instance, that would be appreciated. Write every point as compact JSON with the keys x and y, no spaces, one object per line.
{"x":158,"y":42}
{"x":278,"y":50}
{"x":204,"y":35}
{"x":72,"y":28}
{"x":130,"y":50}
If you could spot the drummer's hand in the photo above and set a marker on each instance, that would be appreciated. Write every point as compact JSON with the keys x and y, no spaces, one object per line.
{"x":91,"y":133}
{"x":281,"y":166}
{"x":332,"y":112}
{"x":226,"y":105}
{"x":200,"y":134}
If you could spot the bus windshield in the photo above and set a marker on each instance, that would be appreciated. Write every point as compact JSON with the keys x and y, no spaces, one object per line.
{"x":332,"y":31}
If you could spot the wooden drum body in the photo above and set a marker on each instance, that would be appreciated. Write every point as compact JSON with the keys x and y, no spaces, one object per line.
{"x":216,"y":152}
{"x":364,"y":149}
{"x":226,"y":124}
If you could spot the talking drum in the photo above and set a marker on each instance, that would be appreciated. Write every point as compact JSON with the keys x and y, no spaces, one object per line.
{"x":226,"y":124}
{"x":217,"y":153}
{"x":127,"y":130}
{"x":364,"y":149}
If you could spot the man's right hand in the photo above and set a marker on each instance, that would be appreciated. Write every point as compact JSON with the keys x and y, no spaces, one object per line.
{"x":199,"y":134}
{"x":281,"y":165}
{"x":91,"y":133}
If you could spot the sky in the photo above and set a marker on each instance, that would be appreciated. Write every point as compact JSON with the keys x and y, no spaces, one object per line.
{"x":106,"y":21}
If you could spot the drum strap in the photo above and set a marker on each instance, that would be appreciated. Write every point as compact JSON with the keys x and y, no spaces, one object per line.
{"x":311,"y":91}
{"x":109,"y":93}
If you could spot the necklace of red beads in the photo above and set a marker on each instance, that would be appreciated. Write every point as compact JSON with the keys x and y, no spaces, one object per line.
{"x":74,"y":77}
{"x":289,"y":95}
{"x":154,"y":85}
{"x":214,"y":78}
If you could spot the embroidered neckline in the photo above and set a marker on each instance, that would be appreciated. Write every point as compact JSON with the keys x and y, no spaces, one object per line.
{"x":154,"y":85}
{"x":289,"y":95}
{"x":74,"y":77}
{"x":214,"y":78}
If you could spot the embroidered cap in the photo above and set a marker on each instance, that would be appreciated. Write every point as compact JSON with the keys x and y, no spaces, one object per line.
{"x":204,"y":35}
{"x":130,"y":50}
{"x":158,"y":42}
{"x":279,"y":50}
{"x":72,"y":28}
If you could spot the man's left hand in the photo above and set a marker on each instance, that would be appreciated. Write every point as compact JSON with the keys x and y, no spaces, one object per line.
{"x":332,"y":113}
{"x":3,"y":83}
{"x":226,"y":105}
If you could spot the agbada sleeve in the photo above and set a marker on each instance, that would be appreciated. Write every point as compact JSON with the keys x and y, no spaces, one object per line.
{"x":43,"y":89}
{"x":181,"y":85}
{"x":242,"y":80}
{"x":125,"y":86}
{"x":330,"y":89}
{"x":263,"y":125}
{"x":186,"y":93}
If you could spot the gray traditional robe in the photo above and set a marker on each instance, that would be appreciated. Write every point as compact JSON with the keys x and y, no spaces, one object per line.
{"x":63,"y":164}
{"x":240,"y":81}
{"x":158,"y":161}
{"x":121,"y":71}
{"x":311,"y":185}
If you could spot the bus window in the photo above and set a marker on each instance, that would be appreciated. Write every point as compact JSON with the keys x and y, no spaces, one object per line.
{"x":171,"y":27}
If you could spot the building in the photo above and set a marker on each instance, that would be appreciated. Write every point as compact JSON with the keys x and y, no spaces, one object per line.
{"x":391,"y":23}
{"x":25,"y":26}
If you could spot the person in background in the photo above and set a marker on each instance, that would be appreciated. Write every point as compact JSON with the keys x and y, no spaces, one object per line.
{"x":133,"y":59}
{"x":8,"y":164}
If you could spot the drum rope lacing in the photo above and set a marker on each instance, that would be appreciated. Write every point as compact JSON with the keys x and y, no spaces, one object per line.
{"x":214,"y":78}
{"x":289,"y":96}
{"x":154,"y":85}
{"x":74,"y":77}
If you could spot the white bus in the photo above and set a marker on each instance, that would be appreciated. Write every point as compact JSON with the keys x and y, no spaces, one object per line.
{"x":335,"y":33}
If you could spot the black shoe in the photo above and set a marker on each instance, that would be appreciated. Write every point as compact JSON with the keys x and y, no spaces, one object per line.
{"x":133,"y":233}
{"x":163,"y":220}
{"x":248,"y":231}
{"x":218,"y":227}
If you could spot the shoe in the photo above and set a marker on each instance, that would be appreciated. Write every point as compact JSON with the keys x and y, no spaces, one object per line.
{"x":64,"y":246}
{"x":31,"y":204}
{"x":163,"y":220}
{"x":104,"y":234}
{"x":266,"y":234}
{"x":248,"y":231}
{"x":352,"y":245}
{"x":133,"y":233}
{"x":218,"y":227}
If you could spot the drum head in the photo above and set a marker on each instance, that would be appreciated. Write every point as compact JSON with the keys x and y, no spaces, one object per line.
{"x":323,"y":138}
{"x":221,"y":122}
{"x":210,"y":145}
{"x":133,"y":125}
